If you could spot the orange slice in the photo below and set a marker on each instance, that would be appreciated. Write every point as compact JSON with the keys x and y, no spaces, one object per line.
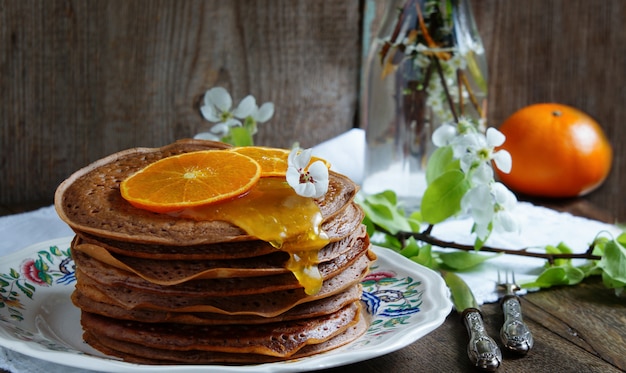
{"x":191,"y":180}
{"x":273,"y":161}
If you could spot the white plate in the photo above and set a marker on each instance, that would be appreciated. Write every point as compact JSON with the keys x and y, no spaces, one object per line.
{"x":37,"y":318}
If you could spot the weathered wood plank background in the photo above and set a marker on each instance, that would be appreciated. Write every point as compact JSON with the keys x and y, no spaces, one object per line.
{"x":82,"y":79}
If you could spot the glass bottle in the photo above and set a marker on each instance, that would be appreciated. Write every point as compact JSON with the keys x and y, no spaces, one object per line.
{"x":426,"y":67}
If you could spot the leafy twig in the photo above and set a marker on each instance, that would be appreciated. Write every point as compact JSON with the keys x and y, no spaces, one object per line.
{"x":427,"y":237}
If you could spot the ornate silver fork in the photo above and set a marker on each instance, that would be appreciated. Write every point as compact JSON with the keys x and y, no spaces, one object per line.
{"x":515,"y":335}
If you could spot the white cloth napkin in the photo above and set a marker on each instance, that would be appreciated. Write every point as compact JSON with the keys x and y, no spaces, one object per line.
{"x":540,"y":226}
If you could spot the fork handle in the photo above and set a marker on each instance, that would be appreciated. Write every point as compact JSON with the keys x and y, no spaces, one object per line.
{"x":515,"y":335}
{"x":482,"y":350}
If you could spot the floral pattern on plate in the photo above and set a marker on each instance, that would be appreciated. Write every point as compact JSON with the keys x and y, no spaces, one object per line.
{"x":47,"y":268}
{"x":404,"y":300}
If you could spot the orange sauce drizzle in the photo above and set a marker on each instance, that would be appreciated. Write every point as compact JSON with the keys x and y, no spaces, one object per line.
{"x":274,"y":213}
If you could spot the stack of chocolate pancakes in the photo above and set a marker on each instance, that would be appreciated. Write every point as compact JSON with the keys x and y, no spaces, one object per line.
{"x":162,"y":289}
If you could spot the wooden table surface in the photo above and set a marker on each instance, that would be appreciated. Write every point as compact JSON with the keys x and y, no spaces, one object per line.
{"x":577,"y":329}
{"x":580,"y":328}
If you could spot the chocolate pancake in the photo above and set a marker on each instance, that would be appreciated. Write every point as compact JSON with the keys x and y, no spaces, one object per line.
{"x":89,"y":201}
{"x":190,"y":278}
{"x":266,"y":305}
{"x":275,"y":339}
{"x":140,"y":354}
{"x":341,"y":226}
{"x":310,"y":309}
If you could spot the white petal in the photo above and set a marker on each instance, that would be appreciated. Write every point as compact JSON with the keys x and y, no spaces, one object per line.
{"x":206,"y":136}
{"x":469,"y":142}
{"x":299,"y":158}
{"x":476,"y":141}
{"x":207,"y":98}
{"x":483,"y":174}
{"x":291,"y":158}
{"x":318,"y":170}
{"x":320,"y":189}
{"x":479,"y":204}
{"x":209,"y":113}
{"x":293,"y":177}
{"x":467,"y":160}
{"x":221,"y":129}
{"x":494,"y":137}
{"x":505,"y":222}
{"x":232,"y":122}
{"x":443,"y":135}
{"x":265,"y":112}
{"x":246,"y":107}
{"x":503,"y":160}
{"x":482,"y":231}
{"x":319,"y":173}
{"x":305,"y":189}
{"x":503,"y":196}
{"x":220,"y":97}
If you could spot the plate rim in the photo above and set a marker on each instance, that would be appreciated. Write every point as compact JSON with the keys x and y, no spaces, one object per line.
{"x":330,"y":359}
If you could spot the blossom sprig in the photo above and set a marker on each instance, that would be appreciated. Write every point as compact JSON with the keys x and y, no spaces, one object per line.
{"x":460,"y":180}
{"x":307,"y":180}
{"x":233,"y":125}
{"x":467,"y":169}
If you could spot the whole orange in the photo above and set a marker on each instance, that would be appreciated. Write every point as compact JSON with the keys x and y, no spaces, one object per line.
{"x":557,"y":151}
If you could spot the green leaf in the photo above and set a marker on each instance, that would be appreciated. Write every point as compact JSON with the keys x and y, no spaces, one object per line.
{"x":621,"y":239}
{"x":45,"y":254}
{"x":463,"y":260}
{"x":612,"y":283}
{"x":421,"y":254}
{"x":561,"y":248}
{"x":369,"y":225}
{"x":462,"y":296}
{"x":388,"y":241}
{"x":55,"y":250}
{"x":442,"y":198}
{"x":411,"y":249}
{"x":558,"y":275}
{"x":441,"y":161}
{"x":381,"y":209}
{"x":28,"y":292}
{"x":613,"y":262}
{"x":241,"y":137}
{"x":415,"y":220}
{"x":42,"y":266}
{"x":426,"y":258}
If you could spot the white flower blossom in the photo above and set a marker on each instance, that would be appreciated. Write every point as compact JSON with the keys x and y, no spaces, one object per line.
{"x":478,"y":203}
{"x":501,"y":158}
{"x":311,"y":181}
{"x":261,"y":115}
{"x":444,"y":135}
{"x":504,"y":220}
{"x":217,"y":108}
{"x":475,"y":148}
{"x":491,"y":204}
